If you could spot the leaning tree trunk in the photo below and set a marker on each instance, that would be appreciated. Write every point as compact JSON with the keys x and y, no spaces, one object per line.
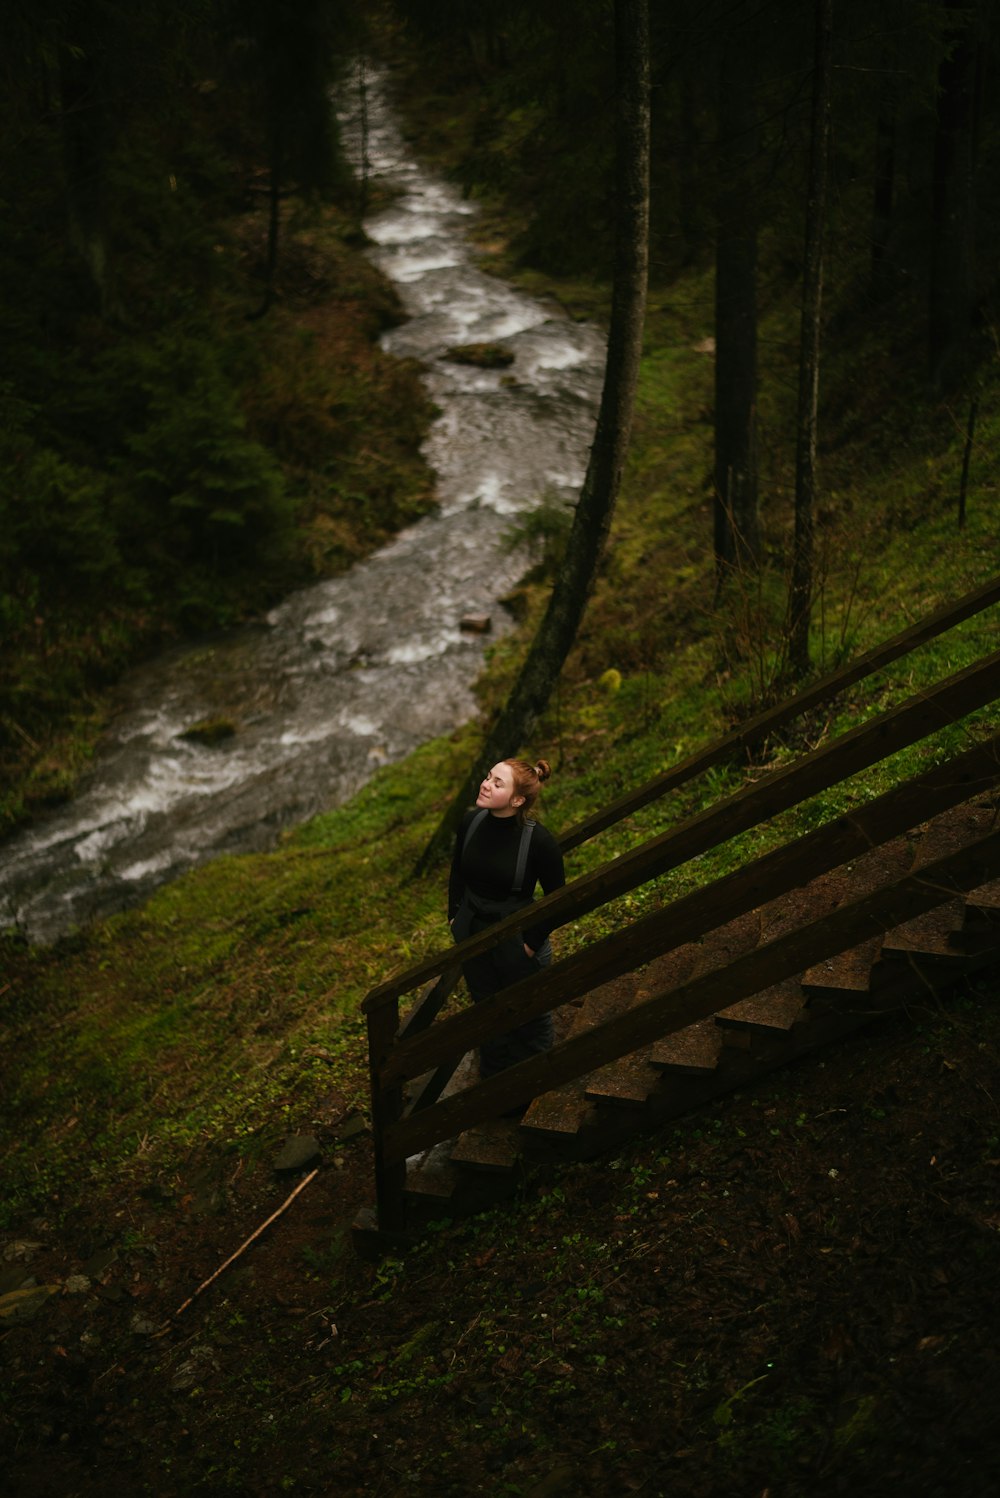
{"x":800,"y":595}
{"x":737,"y":538}
{"x":594,"y":509}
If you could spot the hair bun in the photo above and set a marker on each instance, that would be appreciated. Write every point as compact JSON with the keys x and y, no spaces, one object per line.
{"x":542,"y":769}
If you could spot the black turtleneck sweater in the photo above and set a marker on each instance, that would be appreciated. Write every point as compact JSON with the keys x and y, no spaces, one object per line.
{"x":488,"y":864}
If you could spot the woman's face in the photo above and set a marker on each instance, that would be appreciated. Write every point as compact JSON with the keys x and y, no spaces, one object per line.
{"x":497,"y":792}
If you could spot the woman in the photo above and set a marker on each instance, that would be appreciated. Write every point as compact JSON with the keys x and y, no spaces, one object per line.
{"x":500,"y":855}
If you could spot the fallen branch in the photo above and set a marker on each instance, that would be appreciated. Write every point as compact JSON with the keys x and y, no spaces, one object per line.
{"x":24,"y":734}
{"x":244,"y":1246}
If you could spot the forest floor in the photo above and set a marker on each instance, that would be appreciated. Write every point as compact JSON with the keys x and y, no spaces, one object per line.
{"x":791,"y":1292}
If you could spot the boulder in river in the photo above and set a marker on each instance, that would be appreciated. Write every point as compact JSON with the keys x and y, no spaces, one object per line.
{"x":482,"y":355}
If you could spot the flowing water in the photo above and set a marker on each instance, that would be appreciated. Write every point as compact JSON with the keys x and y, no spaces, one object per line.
{"x":349,"y":674}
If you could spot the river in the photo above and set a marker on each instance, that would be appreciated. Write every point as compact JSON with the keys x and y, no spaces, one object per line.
{"x":353,"y":673}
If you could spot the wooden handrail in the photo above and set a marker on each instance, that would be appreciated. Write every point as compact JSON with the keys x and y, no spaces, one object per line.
{"x":784,"y":712}
{"x":398,"y":1054}
{"x":859,"y":748}
{"x":671,"y":1010}
{"x":706,"y":909}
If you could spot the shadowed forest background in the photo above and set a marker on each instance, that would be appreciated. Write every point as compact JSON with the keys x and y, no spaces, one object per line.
{"x":790,"y":1294}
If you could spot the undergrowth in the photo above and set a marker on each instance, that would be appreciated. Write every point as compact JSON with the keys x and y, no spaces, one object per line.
{"x":192,"y":1022}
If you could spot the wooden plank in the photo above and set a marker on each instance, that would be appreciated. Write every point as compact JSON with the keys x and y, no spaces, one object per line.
{"x":431,"y":1178}
{"x":559,"y":1113}
{"x":669,"y":970}
{"x":386,"y":1106}
{"x":627,"y":1082}
{"x":985,"y":899}
{"x":562,"y":1112}
{"x":981,"y":920}
{"x":770,"y":719}
{"x":929,"y":935}
{"x":777,"y":1009}
{"x":602,"y":1003}
{"x":427,"y":1008}
{"x":852,"y":836}
{"x":491,"y":1146}
{"x":694,"y":1050}
{"x":938,"y":835}
{"x":674,"y":1009}
{"x":850,"y":970}
{"x":862,"y":747}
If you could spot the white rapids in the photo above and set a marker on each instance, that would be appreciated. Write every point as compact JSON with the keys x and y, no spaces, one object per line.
{"x":355,"y":672}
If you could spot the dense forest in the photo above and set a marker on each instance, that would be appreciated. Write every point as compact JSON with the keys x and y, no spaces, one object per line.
{"x":190,"y":388}
{"x":784,"y":1292}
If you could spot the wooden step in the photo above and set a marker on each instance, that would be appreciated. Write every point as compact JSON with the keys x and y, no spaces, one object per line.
{"x":984,"y":901}
{"x":431,"y":1177}
{"x":952,"y":830}
{"x":981,"y":921}
{"x":562,"y":1118}
{"x":774,"y":1011}
{"x":558,"y":1116}
{"x":629,"y":1081}
{"x":493,"y":1146}
{"x":847,"y":972}
{"x":928,"y":935}
{"x":693,"y":1051}
{"x":625,"y":1083}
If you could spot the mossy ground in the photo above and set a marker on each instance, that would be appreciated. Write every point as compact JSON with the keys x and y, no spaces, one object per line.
{"x":787,"y":1293}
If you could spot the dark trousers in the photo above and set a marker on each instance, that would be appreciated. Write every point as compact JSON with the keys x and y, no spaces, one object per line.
{"x":487,"y":974}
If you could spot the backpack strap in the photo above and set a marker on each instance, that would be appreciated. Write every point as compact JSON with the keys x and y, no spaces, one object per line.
{"x":522,"y":857}
{"x":473,"y":826}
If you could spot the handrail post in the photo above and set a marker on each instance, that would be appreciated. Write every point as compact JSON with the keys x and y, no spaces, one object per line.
{"x":387,"y":1109}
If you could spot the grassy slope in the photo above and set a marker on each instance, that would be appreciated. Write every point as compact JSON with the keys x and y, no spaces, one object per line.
{"x":250,"y":961}
{"x":188,"y":1038}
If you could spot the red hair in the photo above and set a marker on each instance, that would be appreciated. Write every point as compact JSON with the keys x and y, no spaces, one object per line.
{"x":528,"y":779}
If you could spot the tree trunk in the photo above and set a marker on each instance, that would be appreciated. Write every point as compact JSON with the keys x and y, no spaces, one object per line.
{"x":800,"y":597}
{"x":953,"y":207}
{"x":885,"y":169}
{"x":594,"y":509}
{"x":737,"y":539}
{"x":85,"y":132}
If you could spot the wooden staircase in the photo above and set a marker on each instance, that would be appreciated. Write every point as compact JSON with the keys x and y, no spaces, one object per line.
{"x":910,"y":964}
{"x":878,"y":908}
